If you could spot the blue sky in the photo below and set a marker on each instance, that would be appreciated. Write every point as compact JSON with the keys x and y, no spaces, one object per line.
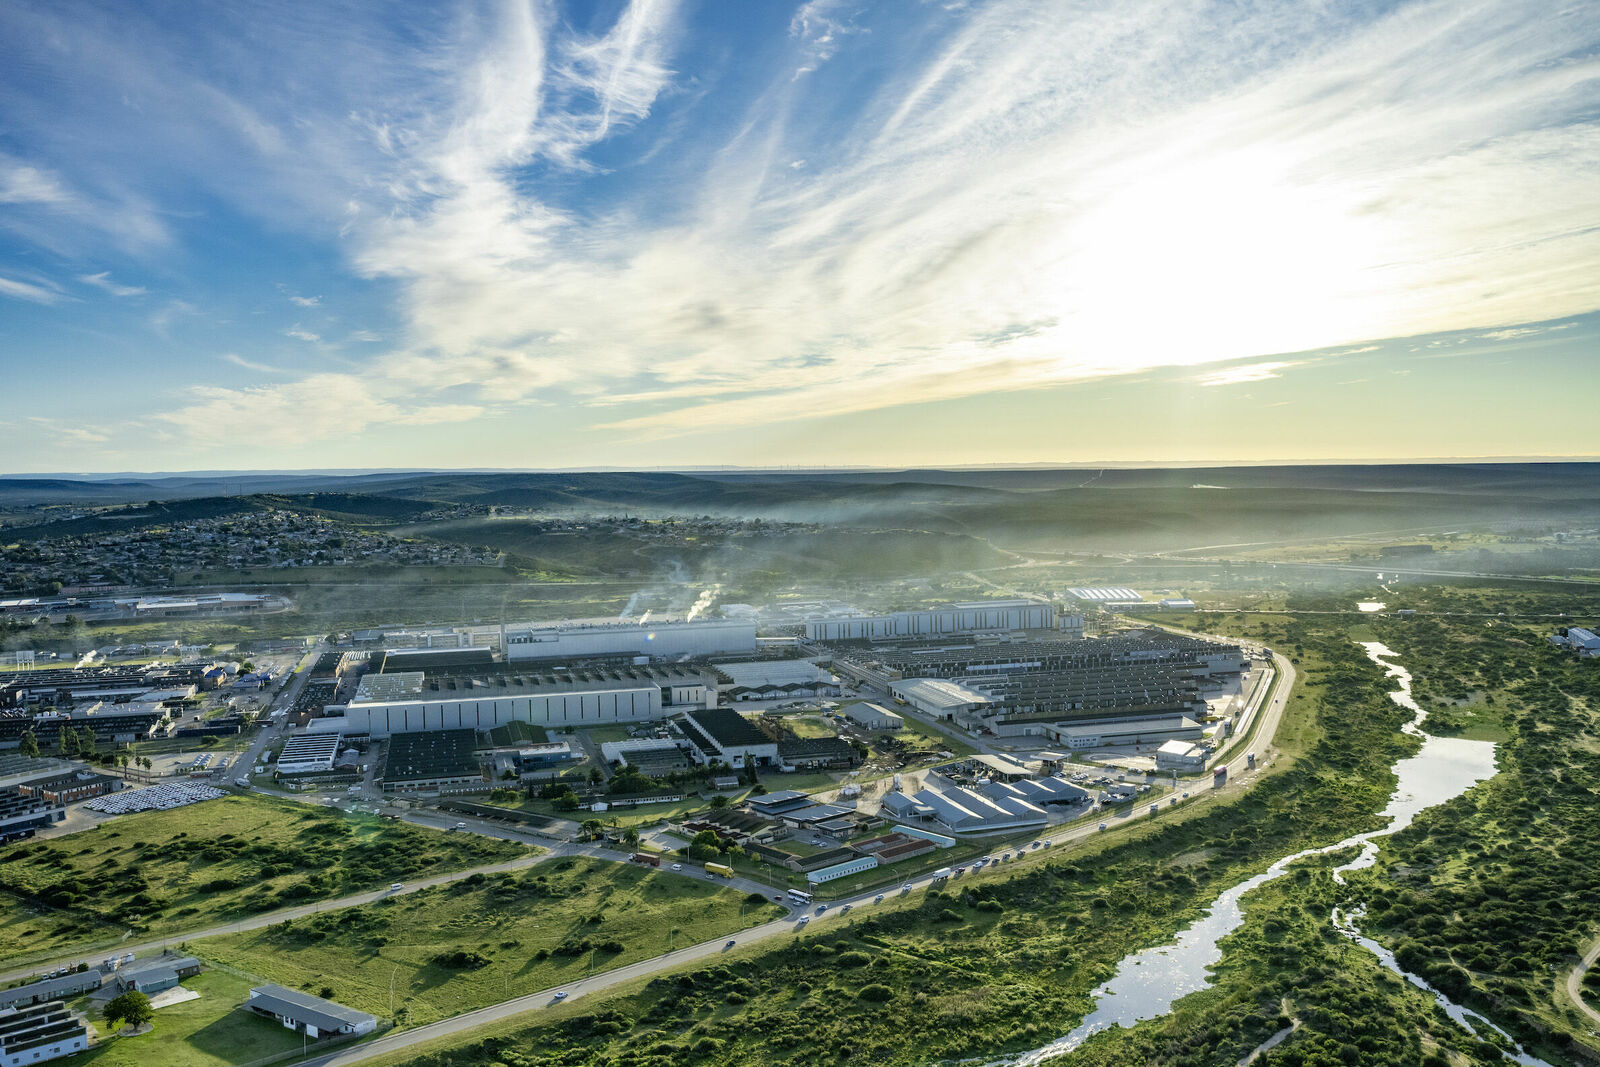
{"x":669,"y":233}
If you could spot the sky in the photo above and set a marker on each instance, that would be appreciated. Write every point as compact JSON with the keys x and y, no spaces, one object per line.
{"x":762,"y":233}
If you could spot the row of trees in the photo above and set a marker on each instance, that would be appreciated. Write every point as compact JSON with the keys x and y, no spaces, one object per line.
{"x":81,"y":743}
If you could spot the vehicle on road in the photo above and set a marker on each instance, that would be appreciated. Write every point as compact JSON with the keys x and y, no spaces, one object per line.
{"x":800,"y":897}
{"x":878,"y":899}
{"x":461,"y":826}
{"x":821,"y":908}
{"x":395,"y":887}
{"x":677,"y":866}
{"x":906,"y":888}
{"x":846,"y":908}
{"x":730,"y":944}
{"x":562,"y":995}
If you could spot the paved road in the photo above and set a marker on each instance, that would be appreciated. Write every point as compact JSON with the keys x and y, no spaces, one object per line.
{"x":1575,"y":982}
{"x":835,"y":911}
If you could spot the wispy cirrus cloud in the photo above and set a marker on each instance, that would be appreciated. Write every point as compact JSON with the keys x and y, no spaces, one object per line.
{"x":992,"y":197}
{"x":103,"y":280}
{"x":1250,"y":372}
{"x":34,"y":292}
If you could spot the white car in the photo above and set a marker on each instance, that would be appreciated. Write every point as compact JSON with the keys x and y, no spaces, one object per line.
{"x":560,"y":996}
{"x":677,"y":866}
{"x":395,"y":887}
{"x":906,"y":888}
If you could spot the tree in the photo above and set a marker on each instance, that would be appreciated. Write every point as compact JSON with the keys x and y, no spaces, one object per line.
{"x":67,"y":741}
{"x":30,"y":744}
{"x":630,"y":837}
{"x":144,"y":761}
{"x":86,"y":744}
{"x":592,"y":828}
{"x":719,"y":801}
{"x":595,"y":776}
{"x":132,"y":1008}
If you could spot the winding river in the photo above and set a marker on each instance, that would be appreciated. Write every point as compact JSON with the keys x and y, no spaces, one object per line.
{"x":1148,"y":983}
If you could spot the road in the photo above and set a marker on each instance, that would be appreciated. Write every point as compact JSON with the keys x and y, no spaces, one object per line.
{"x":833,"y":913}
{"x":1575,"y":982}
{"x":1270,"y":717}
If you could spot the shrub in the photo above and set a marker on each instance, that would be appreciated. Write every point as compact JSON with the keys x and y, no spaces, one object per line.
{"x":876,"y":993}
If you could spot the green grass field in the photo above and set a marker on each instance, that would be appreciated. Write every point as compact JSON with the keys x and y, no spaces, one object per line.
{"x":184,"y":869}
{"x":517,"y":933}
{"x":213,"y":1031}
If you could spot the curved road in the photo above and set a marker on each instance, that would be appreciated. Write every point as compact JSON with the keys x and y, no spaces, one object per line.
{"x":1575,"y":982}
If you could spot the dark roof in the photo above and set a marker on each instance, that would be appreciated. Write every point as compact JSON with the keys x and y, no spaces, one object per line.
{"x":305,"y":1008}
{"x":66,"y":781}
{"x":833,"y":747}
{"x":424,"y":754}
{"x":728,"y":728}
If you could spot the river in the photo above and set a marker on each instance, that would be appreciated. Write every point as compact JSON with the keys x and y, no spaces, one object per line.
{"x":1148,"y":983}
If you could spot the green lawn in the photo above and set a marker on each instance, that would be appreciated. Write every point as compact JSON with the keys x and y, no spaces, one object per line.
{"x":183,"y":869}
{"x":213,"y":1031}
{"x":939,"y":739}
{"x":382,"y":957}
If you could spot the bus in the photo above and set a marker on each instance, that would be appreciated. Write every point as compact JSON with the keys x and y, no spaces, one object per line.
{"x":800,"y":897}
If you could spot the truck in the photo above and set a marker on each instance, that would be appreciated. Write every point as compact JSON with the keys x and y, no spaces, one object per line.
{"x":719,"y":868}
{"x":646,"y":857}
{"x":942,"y":874}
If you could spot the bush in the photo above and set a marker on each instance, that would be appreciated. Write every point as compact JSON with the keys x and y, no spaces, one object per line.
{"x":461,"y":960}
{"x":854,"y":959}
{"x":876,"y":993}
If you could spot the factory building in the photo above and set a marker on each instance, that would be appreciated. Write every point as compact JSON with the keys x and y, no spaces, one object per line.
{"x":40,"y":1032}
{"x":780,"y":679}
{"x":69,"y":788}
{"x":843,"y":870}
{"x":1124,"y":733}
{"x":874,"y":717}
{"x":965,"y":811}
{"x":436,"y":761}
{"x":939,"y":697}
{"x":668,"y":640}
{"x":982,"y":615}
{"x":304,"y":1013}
{"x":482,"y":697}
{"x":1178,"y":755}
{"x":720,"y":735}
{"x":152,"y":975}
{"x":309,"y":752}
{"x":22,"y":816}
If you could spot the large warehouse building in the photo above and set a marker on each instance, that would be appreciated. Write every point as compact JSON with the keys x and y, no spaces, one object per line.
{"x":668,"y":640}
{"x":954,"y":618}
{"x":480,"y":698}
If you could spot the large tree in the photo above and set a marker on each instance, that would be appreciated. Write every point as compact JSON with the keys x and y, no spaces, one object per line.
{"x":132,"y":1008}
{"x":30,"y":744}
{"x":67,"y":741}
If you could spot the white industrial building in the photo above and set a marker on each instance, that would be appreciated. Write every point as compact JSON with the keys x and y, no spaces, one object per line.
{"x":1078,"y":736}
{"x":1105,"y":594}
{"x":940,"y":697}
{"x":668,"y":640}
{"x":843,"y":870}
{"x":309,"y":752}
{"x":1179,"y":755}
{"x":777,"y":679}
{"x":592,"y":708}
{"x":637,"y":748}
{"x":1583,"y":641}
{"x":954,"y":618}
{"x":966,"y":811}
{"x":874,"y":717}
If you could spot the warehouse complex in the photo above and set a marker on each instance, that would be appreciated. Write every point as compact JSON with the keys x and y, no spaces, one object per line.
{"x":668,"y":640}
{"x":483,"y":696}
{"x":983,"y":615}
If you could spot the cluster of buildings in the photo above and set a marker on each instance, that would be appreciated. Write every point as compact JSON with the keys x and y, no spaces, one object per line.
{"x":31,"y":805}
{"x":37,"y":1026}
{"x":1124,"y":689}
{"x":272,"y":538}
{"x":143,"y":608}
{"x":117,"y":703}
{"x":998,"y":616}
{"x":1578,"y":639}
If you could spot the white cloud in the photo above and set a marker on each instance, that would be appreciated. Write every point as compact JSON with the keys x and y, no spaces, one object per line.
{"x":306,"y":301}
{"x":366,"y":336}
{"x":300,"y":333}
{"x":32,"y":291}
{"x":1251,"y":372}
{"x":1515,"y":332}
{"x":103,"y":281}
{"x":1018,"y":195}
{"x":250,"y":365}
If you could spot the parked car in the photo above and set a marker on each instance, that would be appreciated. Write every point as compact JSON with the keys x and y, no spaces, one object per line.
{"x":878,"y":899}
